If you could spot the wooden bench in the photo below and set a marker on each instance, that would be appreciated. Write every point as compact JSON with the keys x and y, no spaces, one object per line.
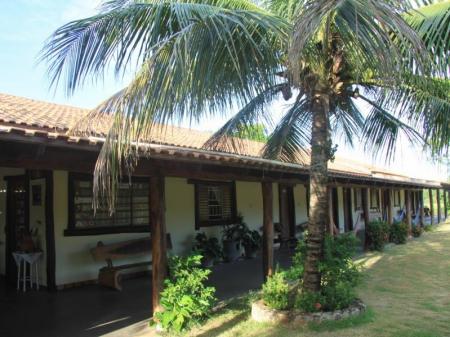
{"x":111,"y":275}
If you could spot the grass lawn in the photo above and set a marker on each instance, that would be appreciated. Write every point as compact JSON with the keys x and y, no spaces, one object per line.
{"x":407,"y":290}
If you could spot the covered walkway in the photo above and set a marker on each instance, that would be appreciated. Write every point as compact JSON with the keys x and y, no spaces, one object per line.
{"x":95,"y":311}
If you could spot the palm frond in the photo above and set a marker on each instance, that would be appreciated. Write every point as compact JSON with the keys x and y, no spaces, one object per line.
{"x":291,"y":138}
{"x":382,"y":131}
{"x":425,"y":104}
{"x":432,"y":22}
{"x":194,"y":58}
{"x":374,"y":32}
{"x":254,"y":112}
{"x":287,"y":9}
{"x":347,"y":120}
{"x":127,"y":32}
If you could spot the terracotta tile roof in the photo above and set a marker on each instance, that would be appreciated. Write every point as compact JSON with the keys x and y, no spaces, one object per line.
{"x":37,"y":118}
{"x":59,"y":118}
{"x":25,"y":111}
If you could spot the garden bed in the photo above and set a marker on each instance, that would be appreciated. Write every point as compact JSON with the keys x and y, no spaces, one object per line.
{"x":262,"y":313}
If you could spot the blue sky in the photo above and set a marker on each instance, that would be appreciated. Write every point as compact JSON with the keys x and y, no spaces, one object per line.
{"x":26,"y":24}
{"x":24,"y":27}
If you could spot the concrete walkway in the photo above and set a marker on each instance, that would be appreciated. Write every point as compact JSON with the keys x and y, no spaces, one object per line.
{"x":95,"y":311}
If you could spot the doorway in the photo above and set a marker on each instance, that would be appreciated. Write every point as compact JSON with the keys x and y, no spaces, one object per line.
{"x":17,"y":220}
{"x":348,"y":213}
{"x":287,"y":213}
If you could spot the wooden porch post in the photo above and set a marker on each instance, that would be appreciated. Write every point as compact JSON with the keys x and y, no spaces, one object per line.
{"x":390,"y":210}
{"x":408,"y":209}
{"x":267,"y":249}
{"x":50,"y":232}
{"x":430,"y":196}
{"x":438,"y":198}
{"x":422,"y":213}
{"x":365,"y":201}
{"x":159,"y":239}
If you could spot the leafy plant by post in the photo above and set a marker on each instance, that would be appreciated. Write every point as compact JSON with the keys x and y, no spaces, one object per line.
{"x":186,"y":299}
{"x":209,"y":248}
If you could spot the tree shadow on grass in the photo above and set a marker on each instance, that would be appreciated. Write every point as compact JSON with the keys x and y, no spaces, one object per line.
{"x":225,"y":326}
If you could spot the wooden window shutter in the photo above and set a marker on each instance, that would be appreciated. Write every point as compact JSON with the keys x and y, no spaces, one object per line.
{"x":215,"y":203}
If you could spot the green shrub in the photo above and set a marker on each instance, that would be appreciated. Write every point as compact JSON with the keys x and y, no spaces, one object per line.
{"x":417,"y":231}
{"x":339,"y":296}
{"x":309,"y":302}
{"x":185,"y":299}
{"x":398,"y":233}
{"x":378,"y":234}
{"x":275,"y":291}
{"x":295,"y":272}
{"x":340,"y":275}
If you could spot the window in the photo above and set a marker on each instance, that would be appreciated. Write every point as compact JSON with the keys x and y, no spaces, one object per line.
{"x":358,"y":199}
{"x":215,"y":203}
{"x":396,"y":198}
{"x":374,"y":199}
{"x":131,"y":212}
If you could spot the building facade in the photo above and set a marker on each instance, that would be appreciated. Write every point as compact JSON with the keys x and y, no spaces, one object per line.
{"x":46,"y":189}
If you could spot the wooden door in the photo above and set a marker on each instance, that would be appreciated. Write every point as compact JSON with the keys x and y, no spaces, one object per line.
{"x":287,"y":212}
{"x":17,"y":219}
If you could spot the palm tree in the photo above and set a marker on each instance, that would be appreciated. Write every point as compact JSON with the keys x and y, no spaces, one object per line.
{"x":201,"y":57}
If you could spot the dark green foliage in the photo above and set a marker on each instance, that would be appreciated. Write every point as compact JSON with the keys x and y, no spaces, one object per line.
{"x":340,"y":276}
{"x":252,"y":240}
{"x":417,"y":231}
{"x":309,"y":301}
{"x":255,"y":132}
{"x":207,"y":247}
{"x":186,"y":300}
{"x":339,"y":296}
{"x":295,"y":272}
{"x":378,"y":234}
{"x":398,"y":233}
{"x":235,"y":231}
{"x":275,"y":291}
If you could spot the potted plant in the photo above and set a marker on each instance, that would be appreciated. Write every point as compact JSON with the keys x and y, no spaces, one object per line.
{"x":252,"y":243}
{"x":232,"y":236}
{"x":209,"y":248}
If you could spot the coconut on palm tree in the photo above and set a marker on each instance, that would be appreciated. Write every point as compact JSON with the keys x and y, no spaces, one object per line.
{"x":197,"y":58}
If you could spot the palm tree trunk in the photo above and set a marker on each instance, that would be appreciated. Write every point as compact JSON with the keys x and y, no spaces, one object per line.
{"x":318,"y":219}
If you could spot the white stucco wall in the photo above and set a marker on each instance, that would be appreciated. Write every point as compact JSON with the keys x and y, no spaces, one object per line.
{"x":301,"y":211}
{"x":357,"y":215}
{"x":249,"y":203}
{"x":375,"y":214}
{"x":4,"y":171}
{"x":181,"y":224}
